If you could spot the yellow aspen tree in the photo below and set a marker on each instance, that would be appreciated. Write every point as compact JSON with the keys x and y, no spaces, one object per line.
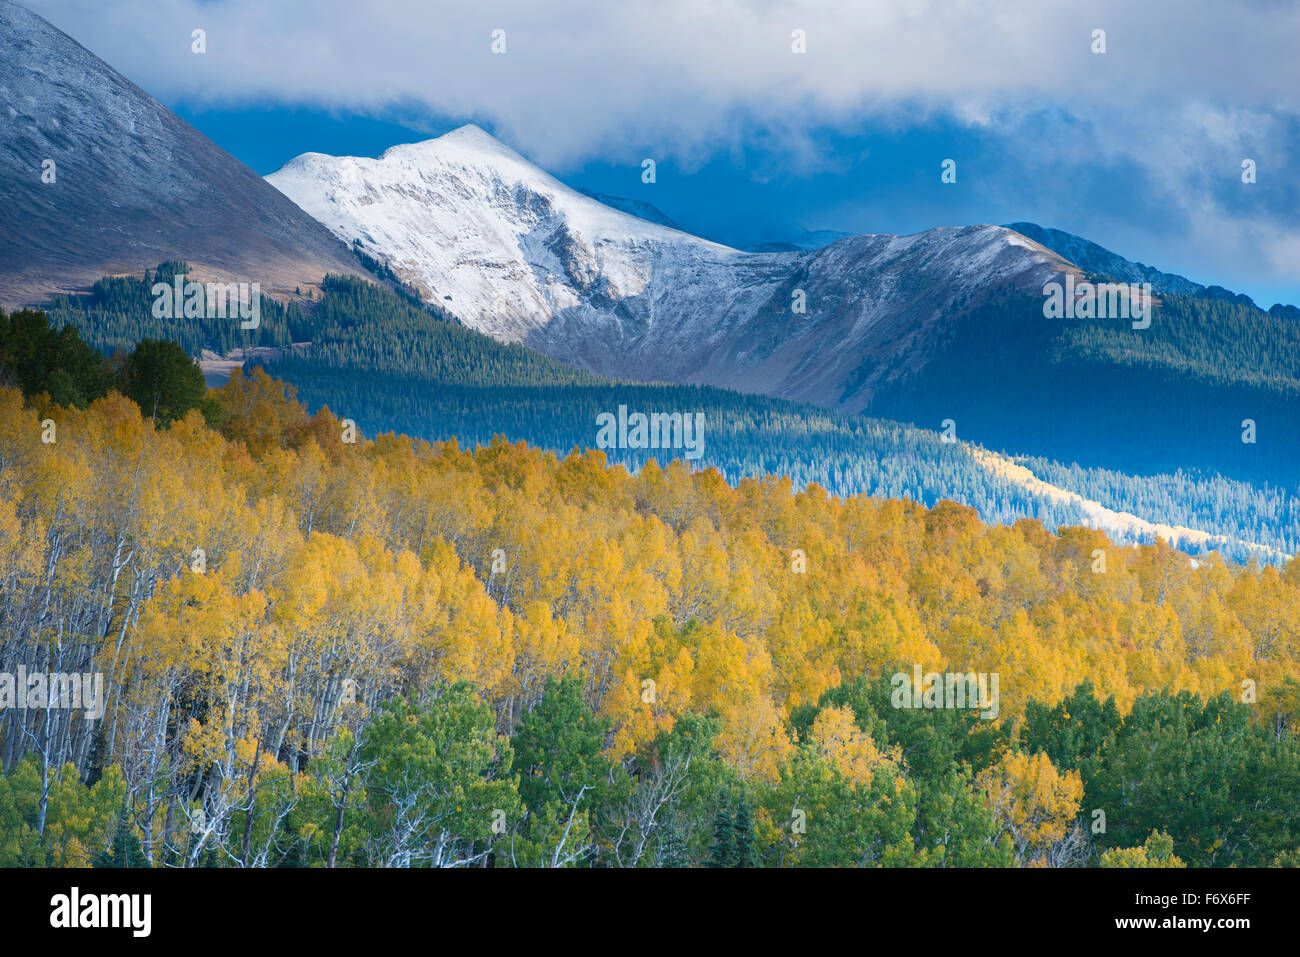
{"x":1031,"y":801}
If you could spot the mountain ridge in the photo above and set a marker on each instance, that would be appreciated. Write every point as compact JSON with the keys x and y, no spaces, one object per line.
{"x":132,"y":183}
{"x":945,"y":325}
{"x":1095,"y":258}
{"x":513,"y":252}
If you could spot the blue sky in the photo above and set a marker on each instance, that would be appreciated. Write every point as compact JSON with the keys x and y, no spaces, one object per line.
{"x":1138,"y":148}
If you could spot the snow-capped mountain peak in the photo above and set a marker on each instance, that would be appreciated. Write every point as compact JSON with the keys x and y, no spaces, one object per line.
{"x":513,"y":252}
{"x":495,"y":240}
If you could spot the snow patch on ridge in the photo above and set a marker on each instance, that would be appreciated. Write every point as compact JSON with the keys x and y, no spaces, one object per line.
{"x":1119,"y":525}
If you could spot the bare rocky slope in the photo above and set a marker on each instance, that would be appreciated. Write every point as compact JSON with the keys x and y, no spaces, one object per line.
{"x":133,"y":185}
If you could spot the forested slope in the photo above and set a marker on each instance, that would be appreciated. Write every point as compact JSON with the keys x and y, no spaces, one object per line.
{"x":380,"y":359}
{"x":388,"y":652}
{"x":1210,"y":386}
{"x":388,"y":364}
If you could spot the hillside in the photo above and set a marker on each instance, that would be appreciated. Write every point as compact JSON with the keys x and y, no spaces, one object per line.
{"x":376,"y":357}
{"x":535,"y":649}
{"x":131,"y":184}
{"x":372,"y":355}
{"x":1179,"y":395}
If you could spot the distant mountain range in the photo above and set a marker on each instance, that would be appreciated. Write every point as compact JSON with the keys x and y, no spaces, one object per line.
{"x":633,"y":207}
{"x":513,"y":252}
{"x":942,"y":326}
{"x":1088,"y":255}
{"x":130,"y":185}
{"x":810,"y":239}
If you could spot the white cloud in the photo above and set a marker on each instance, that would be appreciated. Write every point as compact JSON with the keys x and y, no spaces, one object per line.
{"x":578,"y":77}
{"x":1182,"y":86}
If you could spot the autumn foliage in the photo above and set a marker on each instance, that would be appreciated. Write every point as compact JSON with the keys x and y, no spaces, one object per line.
{"x":279,"y":615}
